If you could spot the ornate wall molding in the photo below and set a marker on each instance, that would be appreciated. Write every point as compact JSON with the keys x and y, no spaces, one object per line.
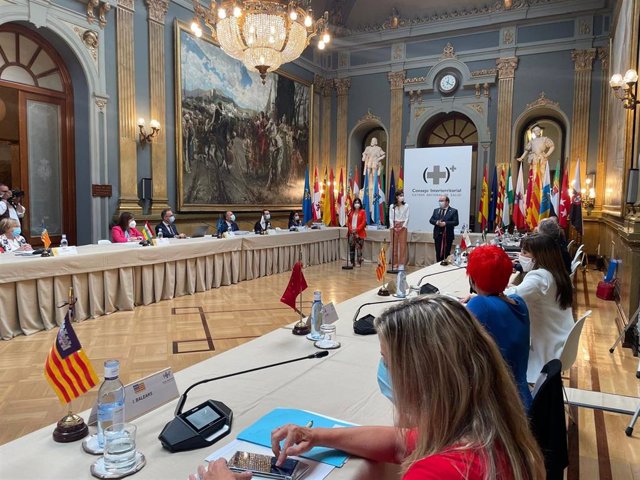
{"x":157,"y":10}
{"x":396,"y":79}
{"x":90,"y":39}
{"x":583,"y":59}
{"x":342,"y":86}
{"x":603,"y":56}
{"x":484,"y":72}
{"x":102,"y":7}
{"x":507,"y":67}
{"x":581,"y":104}
{"x":369,"y":117}
{"x":394,"y":154}
{"x":448,"y":51}
{"x":127,"y":4}
{"x":101,"y":102}
{"x":542,"y":101}
{"x":506,"y":73}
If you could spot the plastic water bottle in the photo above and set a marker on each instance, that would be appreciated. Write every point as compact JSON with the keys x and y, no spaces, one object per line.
{"x":477,"y":242}
{"x":457,"y":255}
{"x":316,"y":317}
{"x":160,"y":234}
{"x":110,"y":399}
{"x":401,"y":283}
{"x":63,"y":241}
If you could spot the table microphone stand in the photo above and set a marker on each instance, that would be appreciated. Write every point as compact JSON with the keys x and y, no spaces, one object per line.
{"x":347,"y":265}
{"x":392,"y":270}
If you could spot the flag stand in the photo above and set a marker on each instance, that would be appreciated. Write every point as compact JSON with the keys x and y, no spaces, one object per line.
{"x":71,"y":427}
{"x":392,"y":270}
{"x":301,"y":328}
{"x":347,"y":265}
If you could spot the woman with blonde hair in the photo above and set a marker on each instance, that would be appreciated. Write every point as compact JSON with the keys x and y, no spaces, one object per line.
{"x":458,"y":414}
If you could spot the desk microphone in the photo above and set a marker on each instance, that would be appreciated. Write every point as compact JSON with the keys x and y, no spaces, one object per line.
{"x":210,"y":421}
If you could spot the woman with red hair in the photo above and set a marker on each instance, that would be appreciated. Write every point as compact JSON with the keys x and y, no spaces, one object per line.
{"x":505,"y":317}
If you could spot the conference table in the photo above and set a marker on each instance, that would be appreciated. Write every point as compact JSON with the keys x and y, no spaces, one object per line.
{"x":342,"y":385}
{"x":108,"y":278}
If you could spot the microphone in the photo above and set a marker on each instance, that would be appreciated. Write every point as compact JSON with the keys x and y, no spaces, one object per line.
{"x":208,"y":422}
{"x":439,"y":273}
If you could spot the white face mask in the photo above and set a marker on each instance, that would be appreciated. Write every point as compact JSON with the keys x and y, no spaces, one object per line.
{"x":441,"y":204}
{"x":525,"y":262}
{"x":296,"y":218}
{"x":267,"y":217}
{"x":356,"y":206}
{"x":233,"y":218}
{"x":132,"y":224}
{"x":172,"y":219}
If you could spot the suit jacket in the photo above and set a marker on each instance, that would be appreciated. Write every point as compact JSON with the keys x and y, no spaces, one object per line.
{"x":168,"y":231}
{"x":361,"y":226}
{"x":450,"y":218}
{"x":225,"y":227}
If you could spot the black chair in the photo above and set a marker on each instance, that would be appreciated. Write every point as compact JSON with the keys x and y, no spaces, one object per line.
{"x":548,"y":422}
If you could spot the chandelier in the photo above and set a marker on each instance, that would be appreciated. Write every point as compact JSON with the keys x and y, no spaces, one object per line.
{"x":262,"y":34}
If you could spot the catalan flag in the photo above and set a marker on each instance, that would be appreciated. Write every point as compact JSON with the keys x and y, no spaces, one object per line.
{"x":67,"y":369}
{"x":44,"y":236}
{"x":381,"y":269}
{"x":147,"y":233}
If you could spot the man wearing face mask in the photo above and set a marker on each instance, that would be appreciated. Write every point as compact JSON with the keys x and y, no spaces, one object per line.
{"x":263,"y":224}
{"x":167,"y":226}
{"x":444,"y":219}
{"x":398,"y":221}
{"x":228,"y":224}
{"x":10,"y":207}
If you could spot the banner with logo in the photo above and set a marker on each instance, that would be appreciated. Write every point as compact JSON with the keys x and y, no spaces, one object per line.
{"x":435,"y":171}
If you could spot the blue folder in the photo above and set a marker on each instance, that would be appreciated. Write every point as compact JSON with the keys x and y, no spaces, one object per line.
{"x":260,"y":432}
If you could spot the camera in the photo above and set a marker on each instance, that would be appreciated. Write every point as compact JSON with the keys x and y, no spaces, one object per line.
{"x":16,"y":196}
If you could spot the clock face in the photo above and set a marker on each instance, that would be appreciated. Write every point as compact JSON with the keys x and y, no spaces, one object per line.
{"x":448,"y":83}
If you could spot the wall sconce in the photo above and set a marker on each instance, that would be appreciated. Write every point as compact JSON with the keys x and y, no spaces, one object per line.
{"x":589,"y":194}
{"x":625,"y":88}
{"x":147,"y":137}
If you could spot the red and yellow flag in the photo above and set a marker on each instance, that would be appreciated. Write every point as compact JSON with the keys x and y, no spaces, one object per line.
{"x":483,"y":212}
{"x":533,"y":209}
{"x":147,"y":233}
{"x":381,"y":269}
{"x":44,"y":236}
{"x":297,"y":284}
{"x":67,"y":368}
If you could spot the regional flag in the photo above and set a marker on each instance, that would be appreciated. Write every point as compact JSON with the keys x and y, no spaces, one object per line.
{"x":518,"y":203}
{"x":508,"y":200}
{"x":67,"y":368}
{"x":493,"y":197}
{"x":297,"y":285}
{"x":565,"y":199}
{"x":342,"y":203}
{"x":400,"y":185}
{"x":381,"y":269}
{"x":545,"y":200}
{"x":147,"y":234}
{"x":576,"y":201}
{"x":502,"y":190}
{"x":316,"y":198}
{"x":307,"y":205}
{"x":483,"y":212}
{"x":555,"y":191}
{"x":325,"y":199}
{"x":332,"y":199}
{"x":365,"y":198}
{"x":44,"y":236}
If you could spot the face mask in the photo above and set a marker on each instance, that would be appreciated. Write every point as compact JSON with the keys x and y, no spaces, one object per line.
{"x":441,"y":204}
{"x":267,"y":217}
{"x":17,"y":231}
{"x":384,"y":382}
{"x":233,"y":218}
{"x":296,"y":218}
{"x":525,"y":262}
{"x":132,"y":224}
{"x":172,"y":218}
{"x":356,"y":206}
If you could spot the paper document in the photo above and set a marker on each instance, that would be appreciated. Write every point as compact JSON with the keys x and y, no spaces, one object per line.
{"x":317,"y":470}
{"x":260,"y":432}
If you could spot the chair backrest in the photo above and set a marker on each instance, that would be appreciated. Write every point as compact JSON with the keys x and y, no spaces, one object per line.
{"x":570,"y":244}
{"x":579,"y":251}
{"x":104,"y":242}
{"x":570,"y":348}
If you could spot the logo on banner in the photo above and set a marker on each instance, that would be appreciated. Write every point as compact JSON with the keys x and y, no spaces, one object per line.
{"x":437,"y":174}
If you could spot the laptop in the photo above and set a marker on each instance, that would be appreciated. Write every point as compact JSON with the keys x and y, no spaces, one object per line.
{"x":200,"y":231}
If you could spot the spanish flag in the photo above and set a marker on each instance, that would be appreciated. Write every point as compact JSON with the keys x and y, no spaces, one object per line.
{"x":67,"y":369}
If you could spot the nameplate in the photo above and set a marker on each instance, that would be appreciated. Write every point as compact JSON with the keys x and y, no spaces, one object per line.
{"x":64,"y":251}
{"x":329,"y":314}
{"x":145,"y":395}
{"x":101,"y":190}
{"x":161,"y":242}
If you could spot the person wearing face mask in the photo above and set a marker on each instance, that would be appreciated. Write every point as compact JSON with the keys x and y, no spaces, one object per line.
{"x":505,"y":317}
{"x":547,"y":290}
{"x":10,"y":206}
{"x":444,"y":219}
{"x":398,"y":221}
{"x":357,"y":231}
{"x":294,"y":219}
{"x":11,"y":239}
{"x":167,"y":226}
{"x":263,"y":224}
{"x":125,"y":231}
{"x":228,"y":224}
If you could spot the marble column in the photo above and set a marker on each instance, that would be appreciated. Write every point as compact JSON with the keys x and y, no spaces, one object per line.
{"x":394,"y":153}
{"x":506,"y":73}
{"x":325,"y":138}
{"x":603,"y":55}
{"x":583,"y":60}
{"x":157,"y":13}
{"x":314,"y":161}
{"x":127,"y":127}
{"x":342,"y":86}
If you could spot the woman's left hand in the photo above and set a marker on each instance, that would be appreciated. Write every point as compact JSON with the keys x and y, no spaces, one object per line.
{"x":218,"y":470}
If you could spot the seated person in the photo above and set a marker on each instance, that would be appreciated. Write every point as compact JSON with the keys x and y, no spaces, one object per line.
{"x":294,"y":219}
{"x":549,"y":226}
{"x":11,"y":239}
{"x":506,"y":318}
{"x":264,"y":223}
{"x":125,"y":231}
{"x":457,"y":410}
{"x":228,"y":224}
{"x":167,"y":226}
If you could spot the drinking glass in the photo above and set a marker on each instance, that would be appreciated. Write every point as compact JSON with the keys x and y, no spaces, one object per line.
{"x":119,"y":447}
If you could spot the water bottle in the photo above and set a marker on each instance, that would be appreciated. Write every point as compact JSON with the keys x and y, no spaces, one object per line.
{"x":316,"y":317}
{"x":63,"y":241}
{"x":477,"y":242}
{"x":457,"y":255}
{"x":110,"y":399}
{"x":160,"y":234}
{"x":401,"y":283}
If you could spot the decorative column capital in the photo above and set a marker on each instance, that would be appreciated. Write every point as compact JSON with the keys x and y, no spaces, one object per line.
{"x":603,"y":56}
{"x":126,"y":4}
{"x":584,"y":59}
{"x":342,"y":85}
{"x":323,"y":85}
{"x":157,"y":10}
{"x":507,"y":67}
{"x":396,"y":79}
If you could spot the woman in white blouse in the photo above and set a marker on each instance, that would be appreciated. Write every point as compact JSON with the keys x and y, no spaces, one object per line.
{"x":398,"y":222}
{"x":11,"y":240}
{"x":547,"y":290}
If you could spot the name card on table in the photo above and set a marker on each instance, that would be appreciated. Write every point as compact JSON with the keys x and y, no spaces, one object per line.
{"x":64,"y":251}
{"x":329,"y":314}
{"x":144,"y":395}
{"x":161,"y":242}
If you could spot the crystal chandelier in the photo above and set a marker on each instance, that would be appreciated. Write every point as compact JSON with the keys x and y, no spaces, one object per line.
{"x":262,"y":34}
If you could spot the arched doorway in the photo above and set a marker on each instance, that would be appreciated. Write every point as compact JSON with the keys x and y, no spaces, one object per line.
{"x":368,"y":127}
{"x":449,"y":130}
{"x":37,"y":132}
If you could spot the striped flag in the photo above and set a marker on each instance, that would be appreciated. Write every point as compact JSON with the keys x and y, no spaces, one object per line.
{"x":519,"y":205}
{"x":555,"y":191}
{"x":533,"y":210}
{"x":502,"y":190}
{"x":44,"y":236}
{"x":545,"y":199}
{"x":400,"y":185}
{"x":483,"y":211}
{"x":508,"y":200}
{"x":317,"y":214}
{"x":67,"y":368}
{"x":381,"y":269}
{"x":307,"y":207}
{"x":342,"y":203}
{"x":147,"y":233}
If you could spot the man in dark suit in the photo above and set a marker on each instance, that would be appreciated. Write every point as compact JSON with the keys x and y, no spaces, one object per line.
{"x":444,"y":219}
{"x":228,"y":224}
{"x":167,"y":225}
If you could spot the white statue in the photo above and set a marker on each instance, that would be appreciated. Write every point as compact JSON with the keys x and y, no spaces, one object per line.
{"x":372,"y":158}
{"x":539,"y":148}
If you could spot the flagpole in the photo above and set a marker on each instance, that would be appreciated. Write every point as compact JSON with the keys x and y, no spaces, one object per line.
{"x":300,"y":328}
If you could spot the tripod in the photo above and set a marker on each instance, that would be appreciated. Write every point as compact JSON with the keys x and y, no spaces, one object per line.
{"x":629,"y":430}
{"x":632,"y":321}
{"x":348,"y":265}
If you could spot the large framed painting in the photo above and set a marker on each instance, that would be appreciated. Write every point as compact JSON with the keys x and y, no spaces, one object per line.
{"x":239,"y":143}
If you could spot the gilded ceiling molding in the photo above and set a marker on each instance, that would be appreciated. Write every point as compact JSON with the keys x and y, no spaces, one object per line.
{"x":583,"y":59}
{"x":542,"y":101}
{"x":157,"y":10}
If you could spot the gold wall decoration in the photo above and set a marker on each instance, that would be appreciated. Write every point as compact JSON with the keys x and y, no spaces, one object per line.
{"x":583,"y":60}
{"x":603,"y":56}
{"x":342,"y":86}
{"x":394,"y":154}
{"x":506,"y":73}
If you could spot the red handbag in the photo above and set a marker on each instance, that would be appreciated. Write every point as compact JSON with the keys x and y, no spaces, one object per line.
{"x":606,"y":290}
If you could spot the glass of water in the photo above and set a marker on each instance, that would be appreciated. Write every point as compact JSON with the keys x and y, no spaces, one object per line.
{"x":328,"y":342}
{"x":119,"y":447}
